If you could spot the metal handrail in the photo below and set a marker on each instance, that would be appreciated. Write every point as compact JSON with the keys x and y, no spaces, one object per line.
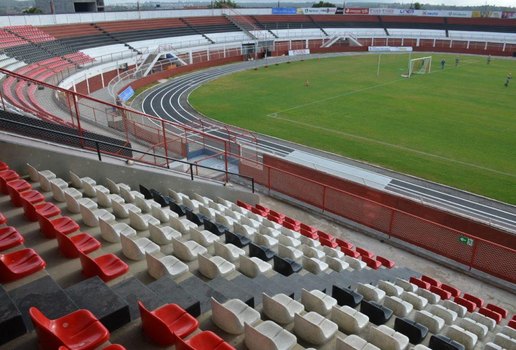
{"x":99,"y":152}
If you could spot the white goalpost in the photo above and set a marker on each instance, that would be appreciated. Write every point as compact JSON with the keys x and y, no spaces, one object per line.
{"x":422,"y":65}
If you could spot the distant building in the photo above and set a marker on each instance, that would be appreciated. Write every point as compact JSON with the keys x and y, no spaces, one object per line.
{"x":70,"y":6}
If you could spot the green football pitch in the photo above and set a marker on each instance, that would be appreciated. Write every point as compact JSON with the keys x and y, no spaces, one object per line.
{"x":455,"y":126}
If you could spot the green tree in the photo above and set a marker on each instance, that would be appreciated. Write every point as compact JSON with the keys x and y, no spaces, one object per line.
{"x":323,"y":4}
{"x":32,"y":10}
{"x":220,"y":4}
{"x":417,"y":6}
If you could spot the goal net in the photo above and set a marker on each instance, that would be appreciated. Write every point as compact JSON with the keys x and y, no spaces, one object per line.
{"x":422,"y":65}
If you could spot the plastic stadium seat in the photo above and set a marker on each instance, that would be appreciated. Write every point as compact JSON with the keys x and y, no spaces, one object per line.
{"x":244,"y":205}
{"x":281,"y":308}
{"x":350,"y":252}
{"x":290,"y":225}
{"x":3,"y":219}
{"x":385,"y":262}
{"x":317,"y":301}
{"x":19,"y":264}
{"x":415,"y":332}
{"x":77,"y":330}
{"x":167,"y":265}
{"x":309,"y":234}
{"x":345,"y":296}
{"x":109,"y":347}
{"x":390,"y":288}
{"x":3,"y":166}
{"x":354,"y":342}
{"x":268,"y":336}
{"x":107,"y":267}
{"x":5,"y":177}
{"x":111,"y":232}
{"x":187,"y":251}
{"x":441,"y":342}
{"x":387,"y":338}
{"x":314,"y":328}
{"x":15,"y":188}
{"x":203,"y":341}
{"x":471,"y":306}
{"x":167,"y":323}
{"x":455,"y":292}
{"x":348,"y":319}
{"x":135,"y":249}
{"x":28,"y":200}
{"x":512,"y":324}
{"x":211,"y":267}
{"x":50,"y":227}
{"x":70,"y":247}
{"x":431,"y":280}
{"x":231,"y":315}
{"x":343,"y":243}
{"x":479,"y":302}
{"x":364,"y":252}
{"x":9,"y":237}
{"x":445,"y":295}
{"x":498,"y":309}
{"x":377,"y":313}
{"x":285,"y":266}
{"x":420,"y":283}
{"x":252,"y":267}
{"x":491,"y":314}
{"x":327,"y":242}
{"x":371,"y":262}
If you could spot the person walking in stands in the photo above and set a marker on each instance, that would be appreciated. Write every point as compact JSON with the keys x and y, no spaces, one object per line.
{"x":443,"y":62}
{"x":509,"y":77}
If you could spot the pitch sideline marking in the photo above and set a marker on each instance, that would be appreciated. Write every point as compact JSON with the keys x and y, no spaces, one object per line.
{"x":383,"y":143}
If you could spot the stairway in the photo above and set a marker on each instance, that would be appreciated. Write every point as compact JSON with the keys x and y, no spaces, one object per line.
{"x":100,"y":29}
{"x":197,"y":31}
{"x":317,"y":25}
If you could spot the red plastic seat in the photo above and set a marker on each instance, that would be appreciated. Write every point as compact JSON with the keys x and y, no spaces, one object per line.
{"x":14,"y":188}
{"x":29,"y":199}
{"x":244,"y":205}
{"x":372,"y":263}
{"x":3,"y":219}
{"x":277,"y":214}
{"x":275,"y":219}
{"x":479,"y":302}
{"x":419,"y":283}
{"x":206,"y":340}
{"x":164,"y":325}
{"x":498,"y":309}
{"x":343,"y":243}
{"x":308,"y":228}
{"x":290,"y":226}
{"x":468,"y":304}
{"x":71,"y":246}
{"x":327,"y":242}
{"x":445,"y":295}
{"x":309,"y":234}
{"x":3,"y":166}
{"x":292,"y":221}
{"x":432,"y":281}
{"x":388,"y":263}
{"x":44,"y":209}
{"x":50,"y":227}
{"x":512,"y":324}
{"x":326,"y":235}
{"x":455,"y":292}
{"x":19,"y":264}
{"x":490,"y":313}
{"x":364,"y":252}
{"x":79,"y":330}
{"x":109,"y":347}
{"x":258,"y":212}
{"x":5,"y":177}
{"x":9,"y":237}
{"x":263,"y":209}
{"x":350,"y":252}
{"x":107,"y":267}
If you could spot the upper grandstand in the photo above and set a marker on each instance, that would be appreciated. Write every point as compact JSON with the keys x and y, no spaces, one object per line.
{"x":62,"y":81}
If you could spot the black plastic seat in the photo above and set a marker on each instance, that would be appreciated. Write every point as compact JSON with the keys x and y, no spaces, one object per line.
{"x":146,"y":192}
{"x":345,"y":296}
{"x":441,"y":342}
{"x":196,"y":218}
{"x":214,"y":227}
{"x":177,"y":208}
{"x":236,"y":239}
{"x":164,"y":201}
{"x":416,"y":332}
{"x":261,"y":252}
{"x":377,"y":313}
{"x":286,"y":266}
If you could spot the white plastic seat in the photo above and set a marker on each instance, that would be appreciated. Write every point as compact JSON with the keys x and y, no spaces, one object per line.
{"x":348,"y":319}
{"x":399,"y":307}
{"x":77,"y":181}
{"x":231,"y":214}
{"x":187,"y":251}
{"x":370,"y":292}
{"x":231,"y":315}
{"x":111,"y":232}
{"x":204,"y":237}
{"x":182,"y":225}
{"x":504,"y":341}
{"x":201,"y":199}
{"x":122,"y":210}
{"x":354,"y":342}
{"x":459,"y":334}
{"x":191,"y":204}
{"x":309,"y":242}
{"x":162,"y":235}
{"x":115,"y":187}
{"x":290,"y":253}
{"x":314,"y":328}
{"x":406,"y":285}
{"x":250,"y":222}
{"x":314,"y":265}
{"x":91,"y":217}
{"x":208,"y":212}
{"x":218,"y":206}
{"x":329,"y":251}
{"x":73,"y":199}
{"x":34,"y":173}
{"x":44,"y":181}
{"x":281,"y":308}
{"x":165,"y":266}
{"x":493,"y":346}
{"x":317,"y":301}
{"x":269,"y":231}
{"x":289,"y":241}
{"x":355,"y":263}
{"x":459,"y":309}
{"x":486,"y":321}
{"x":428,"y":295}
{"x":140,"y":222}
{"x":214,"y":266}
{"x":509,"y":331}
{"x":252,"y":267}
{"x":271,"y":224}
{"x":136,"y":249}
{"x":90,"y":190}
{"x":417,"y":301}
{"x":449,"y":316}
{"x":312,"y":252}
{"x":244,"y":230}
{"x":336,"y":264}
{"x":432,"y":322}
{"x":105,"y":199}
{"x":266,"y":241}
{"x":390,"y":288}
{"x":130,"y":196}
{"x":228,"y":251}
{"x":268,"y":336}
{"x":177,"y":197}
{"x":225,"y":220}
{"x":290,"y":233}
{"x":387,"y":338}
{"x":145,"y":205}
{"x":474,"y":327}
{"x":254,"y":217}
{"x":421,"y":347}
{"x":57,"y":186}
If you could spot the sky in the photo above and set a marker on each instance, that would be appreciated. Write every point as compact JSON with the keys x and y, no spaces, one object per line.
{"x":511,"y":3}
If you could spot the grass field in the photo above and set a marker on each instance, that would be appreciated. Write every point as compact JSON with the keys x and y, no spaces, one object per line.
{"x":455,"y":126}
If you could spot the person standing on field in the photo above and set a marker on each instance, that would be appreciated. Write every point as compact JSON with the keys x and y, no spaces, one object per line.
{"x":488,"y":59}
{"x":443,"y":62}
{"x":508,"y":79}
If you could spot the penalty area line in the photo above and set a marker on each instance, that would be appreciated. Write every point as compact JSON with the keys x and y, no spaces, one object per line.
{"x":383,"y":143}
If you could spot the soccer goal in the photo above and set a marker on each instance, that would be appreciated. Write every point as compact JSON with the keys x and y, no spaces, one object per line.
{"x":422,"y":65}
